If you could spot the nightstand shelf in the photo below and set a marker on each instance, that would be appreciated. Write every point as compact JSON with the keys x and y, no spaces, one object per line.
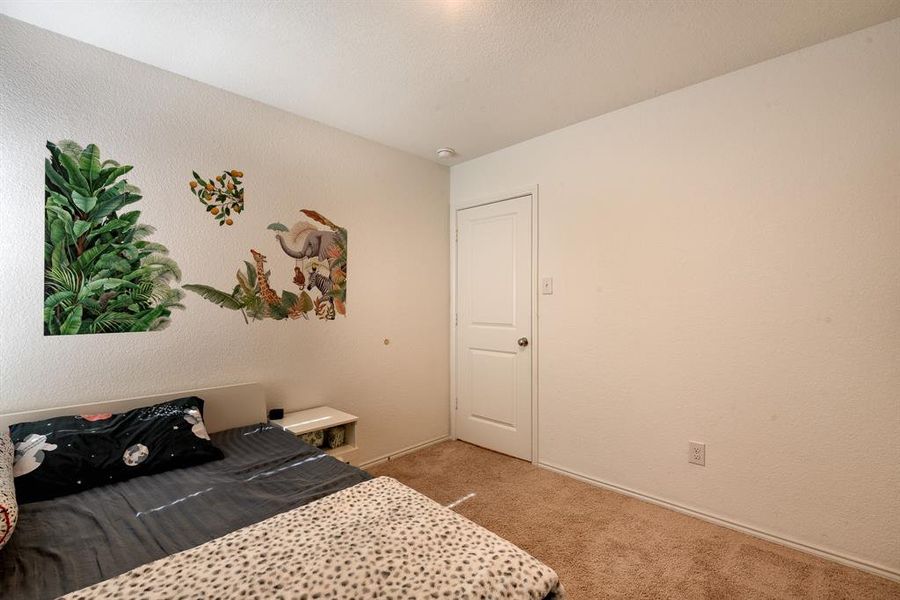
{"x":321,"y":418}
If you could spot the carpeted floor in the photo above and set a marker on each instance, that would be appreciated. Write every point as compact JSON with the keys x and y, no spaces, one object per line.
{"x":607,"y":545}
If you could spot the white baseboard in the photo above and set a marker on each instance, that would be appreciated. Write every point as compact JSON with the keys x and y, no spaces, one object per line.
{"x":850,"y":561}
{"x":403,"y":451}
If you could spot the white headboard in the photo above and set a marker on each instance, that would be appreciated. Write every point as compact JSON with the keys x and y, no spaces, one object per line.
{"x":224,"y":408}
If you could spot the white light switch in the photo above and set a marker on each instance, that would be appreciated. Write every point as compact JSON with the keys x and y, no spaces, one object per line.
{"x":547,"y":286}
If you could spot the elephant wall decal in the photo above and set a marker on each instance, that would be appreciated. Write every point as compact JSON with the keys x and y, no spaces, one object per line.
{"x":313,"y":243}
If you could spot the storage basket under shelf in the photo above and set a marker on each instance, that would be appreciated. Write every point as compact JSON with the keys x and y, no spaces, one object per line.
{"x":320,"y":419}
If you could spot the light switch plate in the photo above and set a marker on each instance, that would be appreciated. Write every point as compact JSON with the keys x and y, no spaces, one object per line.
{"x":547,"y":286}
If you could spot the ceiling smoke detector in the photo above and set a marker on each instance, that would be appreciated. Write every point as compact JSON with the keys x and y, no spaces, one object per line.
{"x":445,"y":152}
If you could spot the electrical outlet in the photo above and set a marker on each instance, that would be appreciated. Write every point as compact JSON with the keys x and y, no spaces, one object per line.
{"x":547,"y":286}
{"x":697,"y":453}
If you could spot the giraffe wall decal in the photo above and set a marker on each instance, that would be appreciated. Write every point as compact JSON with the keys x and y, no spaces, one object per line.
{"x":267,"y":293}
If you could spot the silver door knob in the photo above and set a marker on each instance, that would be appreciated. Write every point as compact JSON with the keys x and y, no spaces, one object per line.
{"x":522,"y":342}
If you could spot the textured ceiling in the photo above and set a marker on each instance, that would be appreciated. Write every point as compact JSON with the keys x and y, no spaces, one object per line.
{"x":471,"y":74}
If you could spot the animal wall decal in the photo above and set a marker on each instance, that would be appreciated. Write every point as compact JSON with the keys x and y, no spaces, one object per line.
{"x":222,"y":195}
{"x":101,"y":273}
{"x":318,"y":251}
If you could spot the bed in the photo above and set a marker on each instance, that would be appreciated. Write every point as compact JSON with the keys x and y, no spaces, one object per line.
{"x":275,"y":517}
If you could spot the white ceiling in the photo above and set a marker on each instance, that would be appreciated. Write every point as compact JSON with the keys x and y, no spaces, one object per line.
{"x":472,"y":74}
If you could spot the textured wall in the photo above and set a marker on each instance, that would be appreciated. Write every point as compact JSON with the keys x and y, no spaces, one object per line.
{"x":394,"y":206}
{"x":727,"y":269}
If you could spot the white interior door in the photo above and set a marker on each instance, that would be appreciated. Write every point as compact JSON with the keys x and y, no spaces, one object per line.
{"x":493,"y":343}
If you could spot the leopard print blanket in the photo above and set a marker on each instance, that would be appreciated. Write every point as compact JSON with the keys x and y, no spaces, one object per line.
{"x":377,"y":539}
{"x":9,"y":510}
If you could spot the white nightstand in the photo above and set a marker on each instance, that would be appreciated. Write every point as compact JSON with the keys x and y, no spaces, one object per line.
{"x":323,"y":417}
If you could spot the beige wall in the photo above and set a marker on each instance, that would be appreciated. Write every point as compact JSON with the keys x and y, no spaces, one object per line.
{"x":726,"y":264}
{"x":393,"y":204}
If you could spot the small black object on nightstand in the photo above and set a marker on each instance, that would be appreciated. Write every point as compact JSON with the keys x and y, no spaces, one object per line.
{"x":276,"y":413}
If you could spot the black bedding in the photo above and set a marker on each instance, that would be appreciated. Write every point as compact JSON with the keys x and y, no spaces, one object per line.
{"x":67,"y":543}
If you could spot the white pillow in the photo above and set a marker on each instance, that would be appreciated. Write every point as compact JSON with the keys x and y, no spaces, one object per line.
{"x":9,"y":510}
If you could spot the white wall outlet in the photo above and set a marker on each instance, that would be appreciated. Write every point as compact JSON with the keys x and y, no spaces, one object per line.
{"x":547,"y":286}
{"x":697,"y":453}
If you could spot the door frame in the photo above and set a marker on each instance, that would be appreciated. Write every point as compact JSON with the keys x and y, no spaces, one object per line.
{"x":535,"y":305}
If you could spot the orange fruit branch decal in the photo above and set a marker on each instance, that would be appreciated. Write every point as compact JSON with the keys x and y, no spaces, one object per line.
{"x":222,"y":196}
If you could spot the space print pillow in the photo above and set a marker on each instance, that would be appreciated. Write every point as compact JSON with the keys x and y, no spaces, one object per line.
{"x":9,"y":509}
{"x":64,"y":455}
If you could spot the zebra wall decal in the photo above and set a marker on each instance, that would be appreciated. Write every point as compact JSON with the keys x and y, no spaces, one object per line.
{"x":320,"y":282}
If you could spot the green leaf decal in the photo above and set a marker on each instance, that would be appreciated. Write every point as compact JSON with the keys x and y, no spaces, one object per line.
{"x":71,"y":148}
{"x":165,"y":263}
{"x":112,"y":321}
{"x":77,"y":181}
{"x":107,"y":283}
{"x":110,"y":174}
{"x":55,"y":179}
{"x":58,"y":256}
{"x":306,"y":303}
{"x":72,"y":324}
{"x":57,"y":231}
{"x":89,"y":162}
{"x":215,"y":296}
{"x":251,"y":274}
{"x":80,"y":227}
{"x":288,"y":299}
{"x":84,"y":203}
{"x":54,"y":299}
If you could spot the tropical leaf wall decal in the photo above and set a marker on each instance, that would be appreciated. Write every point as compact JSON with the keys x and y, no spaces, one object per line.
{"x":317,"y":217}
{"x":101,"y":274}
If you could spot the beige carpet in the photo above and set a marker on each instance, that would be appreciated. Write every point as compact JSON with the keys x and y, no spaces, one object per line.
{"x":607,"y":545}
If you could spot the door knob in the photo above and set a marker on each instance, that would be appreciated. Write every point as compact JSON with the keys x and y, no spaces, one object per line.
{"x":522,"y":342}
